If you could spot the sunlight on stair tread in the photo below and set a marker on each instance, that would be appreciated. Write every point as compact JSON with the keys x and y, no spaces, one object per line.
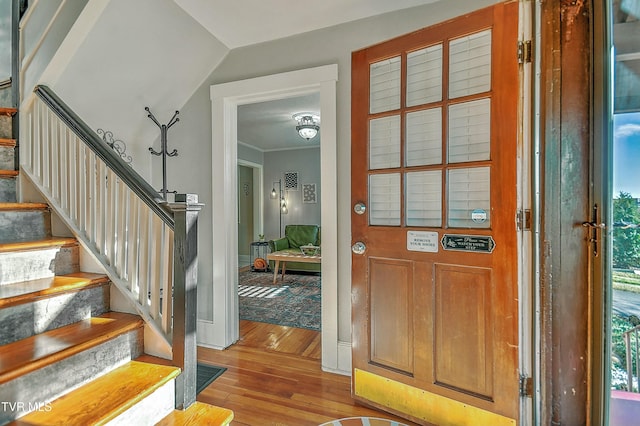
{"x":198,"y":413}
{"x":105,"y":398}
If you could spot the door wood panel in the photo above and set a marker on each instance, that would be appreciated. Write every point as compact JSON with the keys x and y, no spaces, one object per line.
{"x":464,"y":329}
{"x":391,"y":311}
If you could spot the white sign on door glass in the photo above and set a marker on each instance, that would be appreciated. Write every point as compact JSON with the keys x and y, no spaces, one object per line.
{"x":422,"y":241}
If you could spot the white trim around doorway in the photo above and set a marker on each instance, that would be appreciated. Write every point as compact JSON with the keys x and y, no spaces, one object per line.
{"x":224,"y":329}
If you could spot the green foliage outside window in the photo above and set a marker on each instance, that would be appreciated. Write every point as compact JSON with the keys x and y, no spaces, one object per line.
{"x":626,"y":233}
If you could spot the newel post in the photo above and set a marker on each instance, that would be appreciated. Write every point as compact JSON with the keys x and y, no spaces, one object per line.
{"x":185,"y":267}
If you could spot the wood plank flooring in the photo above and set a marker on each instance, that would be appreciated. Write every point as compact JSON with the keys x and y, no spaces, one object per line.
{"x":274,"y":377}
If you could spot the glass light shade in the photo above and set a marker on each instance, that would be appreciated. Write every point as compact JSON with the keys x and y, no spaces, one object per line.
{"x":274,"y":194}
{"x":308,"y":124}
{"x":284,"y":209}
{"x":307,"y":131}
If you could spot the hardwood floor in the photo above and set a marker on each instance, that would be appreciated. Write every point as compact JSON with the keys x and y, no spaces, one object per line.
{"x":274,"y":378}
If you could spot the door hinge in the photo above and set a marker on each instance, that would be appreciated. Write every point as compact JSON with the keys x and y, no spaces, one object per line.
{"x":524,"y":52}
{"x":523,"y":220}
{"x":526,"y":386}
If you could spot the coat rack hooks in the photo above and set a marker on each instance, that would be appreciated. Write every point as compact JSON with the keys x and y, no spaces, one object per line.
{"x":164,"y":150}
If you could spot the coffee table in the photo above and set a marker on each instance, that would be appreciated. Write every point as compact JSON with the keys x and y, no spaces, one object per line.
{"x":285,"y":257}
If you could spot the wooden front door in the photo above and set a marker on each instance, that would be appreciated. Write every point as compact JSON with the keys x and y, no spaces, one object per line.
{"x":435,"y":292}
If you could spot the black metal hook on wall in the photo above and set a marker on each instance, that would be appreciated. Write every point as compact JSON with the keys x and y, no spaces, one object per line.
{"x":164,"y":150}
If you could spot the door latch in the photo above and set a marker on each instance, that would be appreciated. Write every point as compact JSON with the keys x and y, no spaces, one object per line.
{"x":595,"y":229}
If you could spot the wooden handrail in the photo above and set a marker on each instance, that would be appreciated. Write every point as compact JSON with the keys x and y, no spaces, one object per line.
{"x":137,"y":184}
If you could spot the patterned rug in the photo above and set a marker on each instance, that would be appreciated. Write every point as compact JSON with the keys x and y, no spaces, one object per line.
{"x":294,"y":302}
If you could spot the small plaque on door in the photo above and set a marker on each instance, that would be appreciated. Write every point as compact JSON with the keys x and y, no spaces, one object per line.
{"x":472,"y":243}
{"x":422,"y":241}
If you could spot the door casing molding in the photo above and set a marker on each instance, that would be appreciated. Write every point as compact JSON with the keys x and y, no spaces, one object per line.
{"x":225,"y":98}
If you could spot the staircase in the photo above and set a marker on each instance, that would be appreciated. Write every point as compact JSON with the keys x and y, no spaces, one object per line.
{"x":65,"y":358}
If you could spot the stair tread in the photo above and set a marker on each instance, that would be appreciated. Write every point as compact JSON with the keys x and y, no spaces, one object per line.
{"x":37,"y":244}
{"x":26,"y":355}
{"x":199,"y":413}
{"x":8,"y":173}
{"x":104,"y":398}
{"x":7,"y":111}
{"x":23,"y":206}
{"x":28,"y":291}
{"x":11,"y":143}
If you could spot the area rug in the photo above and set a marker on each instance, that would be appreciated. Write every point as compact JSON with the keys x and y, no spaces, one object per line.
{"x":292,"y":302}
{"x":363,"y":421}
{"x":205,"y":374}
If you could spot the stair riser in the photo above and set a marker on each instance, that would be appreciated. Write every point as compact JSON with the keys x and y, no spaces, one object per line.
{"x":29,"y":319}
{"x":24,"y":225}
{"x":151,"y":409}
{"x":35,"y":264}
{"x":7,"y":155}
{"x":8,"y":190}
{"x":5,"y":127}
{"x":54,"y":380}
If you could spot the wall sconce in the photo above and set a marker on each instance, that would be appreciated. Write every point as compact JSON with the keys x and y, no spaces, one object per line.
{"x":282,"y":208}
{"x":308,"y":124}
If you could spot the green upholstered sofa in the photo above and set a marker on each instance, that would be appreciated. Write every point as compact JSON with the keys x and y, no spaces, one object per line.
{"x":294,"y":237}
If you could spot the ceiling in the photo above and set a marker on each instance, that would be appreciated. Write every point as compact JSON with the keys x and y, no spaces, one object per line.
{"x":269,"y":126}
{"x":240,"y":23}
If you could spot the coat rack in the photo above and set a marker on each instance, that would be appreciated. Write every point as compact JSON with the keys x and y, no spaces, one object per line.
{"x":164,"y":151}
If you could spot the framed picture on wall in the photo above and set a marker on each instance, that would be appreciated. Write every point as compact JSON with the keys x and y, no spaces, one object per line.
{"x":290,"y":182}
{"x":309,"y":195}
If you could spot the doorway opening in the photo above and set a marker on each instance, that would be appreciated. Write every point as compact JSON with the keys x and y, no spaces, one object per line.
{"x":290,"y":198}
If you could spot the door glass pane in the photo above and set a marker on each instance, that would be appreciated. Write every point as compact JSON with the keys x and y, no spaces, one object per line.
{"x":384,"y":87}
{"x":423,"y":198}
{"x":423,"y":136}
{"x":424,"y":76}
{"x":469,"y":198}
{"x":384,"y":199}
{"x":384,"y":142}
{"x":470,"y":64}
{"x":470,"y":131}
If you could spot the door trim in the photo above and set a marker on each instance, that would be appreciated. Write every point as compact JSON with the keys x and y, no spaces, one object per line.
{"x":225,"y":98}
{"x":258,"y":194}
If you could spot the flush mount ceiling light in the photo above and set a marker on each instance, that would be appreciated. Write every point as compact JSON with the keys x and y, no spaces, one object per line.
{"x":308,"y":124}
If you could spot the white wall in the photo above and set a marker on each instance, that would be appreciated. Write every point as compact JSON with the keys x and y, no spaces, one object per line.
{"x":42,"y":31}
{"x":307,"y":163}
{"x":133,"y":55}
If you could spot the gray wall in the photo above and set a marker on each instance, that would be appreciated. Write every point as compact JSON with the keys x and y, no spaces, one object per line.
{"x":306,"y":162}
{"x":315,"y":48}
{"x":251,"y":154}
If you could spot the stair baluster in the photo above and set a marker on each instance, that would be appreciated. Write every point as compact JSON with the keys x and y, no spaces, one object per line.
{"x":121,"y":220}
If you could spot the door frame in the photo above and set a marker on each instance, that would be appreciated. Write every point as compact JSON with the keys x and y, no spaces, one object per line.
{"x":602,"y":194}
{"x":225,"y":98}
{"x":258,"y":193}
